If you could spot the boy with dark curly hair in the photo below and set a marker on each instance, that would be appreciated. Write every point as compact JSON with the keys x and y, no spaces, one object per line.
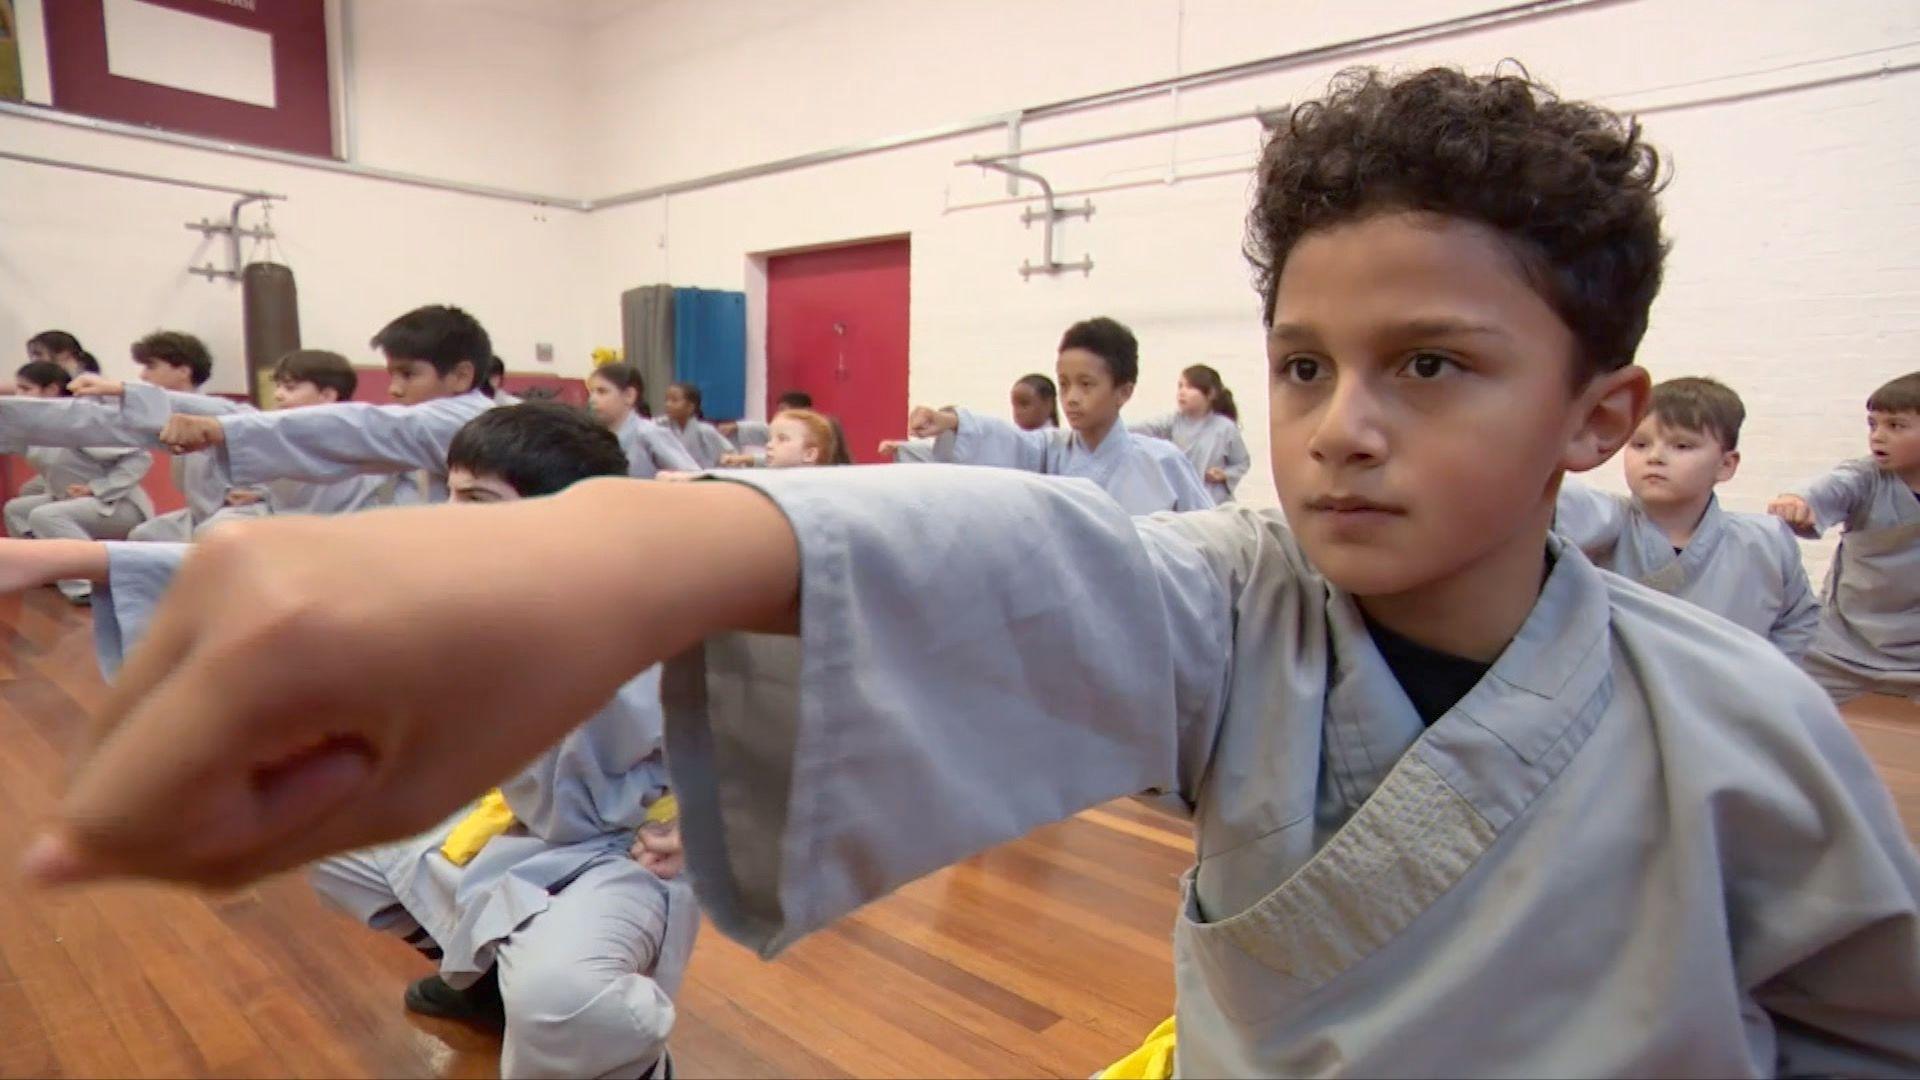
{"x":1464,"y":804}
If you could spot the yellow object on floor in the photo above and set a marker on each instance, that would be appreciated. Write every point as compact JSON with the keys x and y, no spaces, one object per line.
{"x":490,"y":817}
{"x":1153,"y":1061}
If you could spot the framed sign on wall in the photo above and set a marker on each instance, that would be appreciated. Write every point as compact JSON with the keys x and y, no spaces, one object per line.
{"x":244,"y":71}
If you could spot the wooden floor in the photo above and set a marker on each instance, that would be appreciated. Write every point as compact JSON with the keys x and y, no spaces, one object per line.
{"x":1049,"y":956}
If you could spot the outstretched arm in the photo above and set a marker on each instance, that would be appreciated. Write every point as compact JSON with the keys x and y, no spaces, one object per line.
{"x":956,"y":628}
{"x":266,"y":762}
{"x":325,"y":443}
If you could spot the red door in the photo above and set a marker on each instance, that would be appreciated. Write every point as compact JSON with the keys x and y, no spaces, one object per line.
{"x":837,"y":328}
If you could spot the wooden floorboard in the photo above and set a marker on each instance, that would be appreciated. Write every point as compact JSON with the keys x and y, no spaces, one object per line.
{"x":1045,"y":957}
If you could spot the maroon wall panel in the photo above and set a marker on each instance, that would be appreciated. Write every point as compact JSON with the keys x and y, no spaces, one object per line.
{"x":302,"y":120}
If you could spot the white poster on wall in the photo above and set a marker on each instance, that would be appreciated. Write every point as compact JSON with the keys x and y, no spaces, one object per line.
{"x":188,"y":52}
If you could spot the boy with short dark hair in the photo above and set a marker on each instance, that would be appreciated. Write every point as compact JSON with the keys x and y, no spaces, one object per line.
{"x":545,"y":917}
{"x":1098,"y":366}
{"x":437,"y":358}
{"x":173,"y":360}
{"x":313,"y":377}
{"x":1869,"y":639}
{"x":1463,"y":803}
{"x":1672,"y":535}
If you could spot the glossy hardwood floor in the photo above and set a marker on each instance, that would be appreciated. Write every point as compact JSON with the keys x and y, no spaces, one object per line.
{"x":1049,"y":956}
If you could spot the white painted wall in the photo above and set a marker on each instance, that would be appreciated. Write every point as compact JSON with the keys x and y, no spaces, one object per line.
{"x":1796,"y":268}
{"x":485,"y":93}
{"x":1795,"y":274}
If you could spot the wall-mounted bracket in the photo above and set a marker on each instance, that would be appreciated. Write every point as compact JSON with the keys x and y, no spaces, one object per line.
{"x":1048,"y":214}
{"x":232,"y":230}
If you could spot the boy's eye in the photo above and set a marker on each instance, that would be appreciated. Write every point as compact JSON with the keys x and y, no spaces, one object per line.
{"x":1428,"y":365}
{"x":1301,"y":369}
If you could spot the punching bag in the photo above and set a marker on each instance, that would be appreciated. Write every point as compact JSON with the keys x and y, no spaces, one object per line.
{"x":271,"y":315}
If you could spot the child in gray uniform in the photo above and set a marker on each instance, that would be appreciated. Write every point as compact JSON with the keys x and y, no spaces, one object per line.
{"x":1869,"y":639}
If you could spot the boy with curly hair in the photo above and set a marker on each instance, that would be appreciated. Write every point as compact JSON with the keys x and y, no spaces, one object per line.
{"x":1464,"y":804}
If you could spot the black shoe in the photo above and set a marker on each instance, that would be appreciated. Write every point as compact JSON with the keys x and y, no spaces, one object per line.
{"x":478,"y":1005}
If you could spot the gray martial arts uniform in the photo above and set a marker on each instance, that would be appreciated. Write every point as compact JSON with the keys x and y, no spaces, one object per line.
{"x":1643,"y":844}
{"x":136,"y":419}
{"x":701,"y":440}
{"x":1211,"y":442}
{"x":116,"y":506}
{"x":913,"y":452}
{"x":651,"y":449}
{"x":1869,"y":639}
{"x":591,"y":947}
{"x":1744,"y":568}
{"x":328,"y":443}
{"x":1143,"y":475}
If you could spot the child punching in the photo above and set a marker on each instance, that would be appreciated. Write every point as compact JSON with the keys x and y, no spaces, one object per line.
{"x":1206,"y":427}
{"x":1869,"y":638}
{"x":1099,"y":364}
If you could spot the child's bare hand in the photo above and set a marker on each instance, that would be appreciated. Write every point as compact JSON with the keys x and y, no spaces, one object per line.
{"x":187,"y":434}
{"x":888,"y":447}
{"x":676,"y":475}
{"x":657,"y":847}
{"x":729,"y":428}
{"x":925,"y":423}
{"x":91,"y":385}
{"x":244,"y":497}
{"x":737,"y":461}
{"x":78,"y":491}
{"x":1216,"y":475}
{"x":1794,"y":510}
{"x":315,"y":684}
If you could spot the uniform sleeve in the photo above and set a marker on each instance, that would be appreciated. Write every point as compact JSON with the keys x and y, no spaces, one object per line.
{"x":1591,"y":519}
{"x":980,"y":652}
{"x":665,"y":451}
{"x":913,"y":452}
{"x":1238,"y":460}
{"x":187,"y":404}
{"x":125,"y":469}
{"x":1159,"y":427}
{"x":1799,"y":615}
{"x":750,"y":433}
{"x":137,"y":576}
{"x":1824,"y":919}
{"x":1189,"y":490}
{"x":72,"y":423}
{"x":323,"y":443}
{"x":989,"y":440}
{"x":1837,"y":496}
{"x":715,"y":442}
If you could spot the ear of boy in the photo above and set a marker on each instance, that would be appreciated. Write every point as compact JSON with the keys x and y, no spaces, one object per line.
{"x":1606,"y":413}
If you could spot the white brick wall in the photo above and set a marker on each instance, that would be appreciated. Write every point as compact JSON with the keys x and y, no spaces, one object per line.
{"x":1795,"y":274}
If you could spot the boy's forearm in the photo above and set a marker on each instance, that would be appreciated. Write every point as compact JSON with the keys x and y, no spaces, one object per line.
{"x":41,"y":562}
{"x":720,"y":556}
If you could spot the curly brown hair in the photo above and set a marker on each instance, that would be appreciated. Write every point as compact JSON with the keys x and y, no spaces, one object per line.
{"x":1570,"y":186}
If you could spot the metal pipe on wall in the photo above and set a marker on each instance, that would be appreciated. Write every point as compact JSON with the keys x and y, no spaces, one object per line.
{"x":130,"y":174}
{"x":1424,"y":32}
